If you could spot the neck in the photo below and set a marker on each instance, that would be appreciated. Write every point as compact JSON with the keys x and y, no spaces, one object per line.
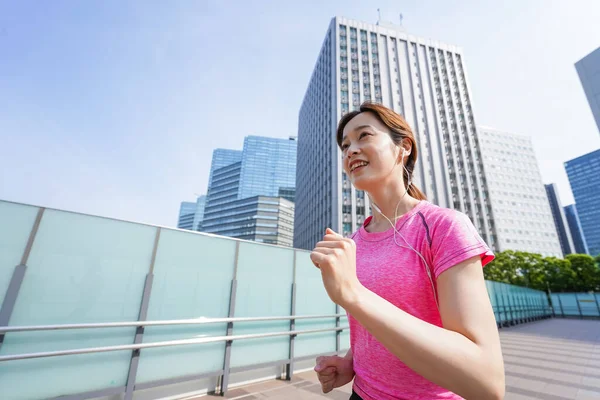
{"x":393,"y":203}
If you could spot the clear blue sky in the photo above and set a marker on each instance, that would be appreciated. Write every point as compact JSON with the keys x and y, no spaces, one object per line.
{"x":114,"y":107}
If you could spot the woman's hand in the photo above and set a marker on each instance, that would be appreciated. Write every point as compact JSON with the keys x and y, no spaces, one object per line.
{"x":335,"y":256}
{"x":334,"y":372}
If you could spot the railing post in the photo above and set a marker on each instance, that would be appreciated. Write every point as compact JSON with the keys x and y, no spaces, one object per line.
{"x":143,"y":314}
{"x":578,"y":306}
{"x":551,"y":302}
{"x":499,"y":309}
{"x":289,"y":368}
{"x":522,"y":312}
{"x":510,"y":309}
{"x":562,"y":311}
{"x":14,"y":286}
{"x":227,"y":358}
{"x":596,"y":300}
{"x":139,"y":335}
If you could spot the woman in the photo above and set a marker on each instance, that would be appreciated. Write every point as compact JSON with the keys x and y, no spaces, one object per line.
{"x":411,"y":280}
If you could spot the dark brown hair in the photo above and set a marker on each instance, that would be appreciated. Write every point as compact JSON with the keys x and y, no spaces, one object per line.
{"x":399,"y":130}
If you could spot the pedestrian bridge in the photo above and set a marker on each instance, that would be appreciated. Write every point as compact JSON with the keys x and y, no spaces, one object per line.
{"x":101,"y":308}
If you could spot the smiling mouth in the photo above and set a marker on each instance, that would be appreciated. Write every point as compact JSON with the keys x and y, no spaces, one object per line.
{"x":359,"y":165}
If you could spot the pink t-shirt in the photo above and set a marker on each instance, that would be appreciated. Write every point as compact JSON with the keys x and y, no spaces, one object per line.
{"x":445,"y":238}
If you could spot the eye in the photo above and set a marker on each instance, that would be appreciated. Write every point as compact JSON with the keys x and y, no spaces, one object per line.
{"x":344,"y":146}
{"x":364,"y":134}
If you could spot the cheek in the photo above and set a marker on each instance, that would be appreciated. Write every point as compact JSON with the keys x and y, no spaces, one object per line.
{"x":345,"y":164}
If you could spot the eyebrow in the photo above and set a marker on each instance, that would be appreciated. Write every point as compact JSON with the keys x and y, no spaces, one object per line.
{"x":357,"y":129}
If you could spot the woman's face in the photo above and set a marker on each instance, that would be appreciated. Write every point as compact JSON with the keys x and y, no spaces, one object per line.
{"x":370,"y":156}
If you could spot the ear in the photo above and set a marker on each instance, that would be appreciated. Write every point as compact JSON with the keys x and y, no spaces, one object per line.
{"x":403,"y":152}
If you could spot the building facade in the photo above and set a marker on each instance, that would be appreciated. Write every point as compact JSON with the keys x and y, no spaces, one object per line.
{"x":199,"y":213}
{"x":588,"y":69}
{"x":584,"y":177}
{"x":191,"y":214}
{"x":246,"y":184}
{"x":523,"y":218}
{"x":259,"y":218}
{"x":575,"y":229}
{"x":560,"y":219}
{"x":187,"y":210}
{"x":422,"y":79}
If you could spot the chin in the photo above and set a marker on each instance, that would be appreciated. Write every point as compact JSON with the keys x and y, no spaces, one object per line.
{"x":362,"y":183}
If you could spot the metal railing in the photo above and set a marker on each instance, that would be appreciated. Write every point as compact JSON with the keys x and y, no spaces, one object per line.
{"x":136,"y":347}
{"x":507,"y":315}
{"x":576,"y":305}
{"x":190,"y":321}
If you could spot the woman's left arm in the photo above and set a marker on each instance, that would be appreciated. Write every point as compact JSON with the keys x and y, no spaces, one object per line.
{"x":464,"y":356}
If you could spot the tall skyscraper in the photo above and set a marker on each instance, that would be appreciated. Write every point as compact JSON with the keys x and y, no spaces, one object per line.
{"x":584,"y":176}
{"x":251,"y":192}
{"x":576,"y":231}
{"x":522,"y":216}
{"x":258,"y":218}
{"x":199,"y":213}
{"x":422,"y":79}
{"x":222,"y":158}
{"x":186,"y":215}
{"x":560,"y":220}
{"x":588,"y":69}
{"x":191,"y":214}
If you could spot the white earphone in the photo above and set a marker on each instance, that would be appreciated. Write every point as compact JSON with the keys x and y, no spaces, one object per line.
{"x":396,"y":231}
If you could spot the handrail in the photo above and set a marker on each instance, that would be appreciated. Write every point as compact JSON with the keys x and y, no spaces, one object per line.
{"x":169,"y":343}
{"x":191,"y":321}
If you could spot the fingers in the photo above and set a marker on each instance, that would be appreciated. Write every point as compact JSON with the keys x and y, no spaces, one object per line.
{"x":330,"y":231}
{"x":318,"y":258}
{"x":332,"y":244}
{"x":327,"y":387}
{"x":327,"y":379}
{"x":324,"y":362}
{"x":327,"y":372}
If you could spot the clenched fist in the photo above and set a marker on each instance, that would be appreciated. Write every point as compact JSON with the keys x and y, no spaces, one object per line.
{"x":335,"y":256}
{"x":334,"y":372}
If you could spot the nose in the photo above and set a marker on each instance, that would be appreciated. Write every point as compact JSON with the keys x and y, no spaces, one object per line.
{"x":351,"y":150}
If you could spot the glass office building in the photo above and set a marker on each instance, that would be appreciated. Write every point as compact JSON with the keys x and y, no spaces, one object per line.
{"x":576,"y":230}
{"x":560,"y":220}
{"x":259,"y":218}
{"x":268,"y":165}
{"x":588,"y":69}
{"x":191,"y":214}
{"x":584,"y":176}
{"x":251,"y":191}
{"x":187,"y":211}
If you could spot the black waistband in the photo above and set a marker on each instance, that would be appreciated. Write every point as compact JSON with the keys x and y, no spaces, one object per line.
{"x":355,"y":396}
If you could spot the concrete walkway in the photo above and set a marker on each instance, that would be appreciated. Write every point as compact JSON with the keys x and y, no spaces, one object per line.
{"x":555,"y":359}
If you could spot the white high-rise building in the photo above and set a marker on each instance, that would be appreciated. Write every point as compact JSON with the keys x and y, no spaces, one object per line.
{"x":522,"y":213}
{"x":422,"y":79}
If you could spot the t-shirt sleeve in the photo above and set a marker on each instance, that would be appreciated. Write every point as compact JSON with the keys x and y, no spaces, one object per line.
{"x":454,"y":239}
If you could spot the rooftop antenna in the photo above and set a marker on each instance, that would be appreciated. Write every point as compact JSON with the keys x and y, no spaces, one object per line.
{"x":401,"y":18}
{"x":378,"y":16}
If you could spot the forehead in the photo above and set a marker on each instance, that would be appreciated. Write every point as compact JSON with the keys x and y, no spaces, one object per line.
{"x":365,"y":118}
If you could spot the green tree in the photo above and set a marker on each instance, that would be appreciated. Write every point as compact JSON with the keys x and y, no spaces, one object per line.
{"x":558,"y":274}
{"x":587,"y":272}
{"x":502,"y":268}
{"x":576,"y":273}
